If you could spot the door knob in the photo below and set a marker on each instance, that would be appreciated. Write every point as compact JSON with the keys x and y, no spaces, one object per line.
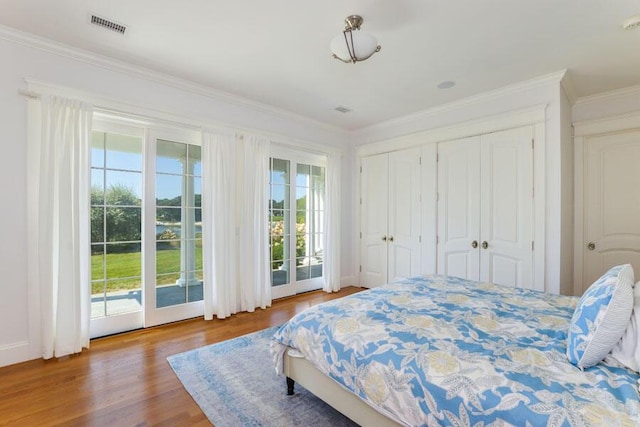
{"x":384,"y":238}
{"x":391,"y":238}
{"x":485,"y":245}
{"x":591,"y":246}
{"x":474,"y":244}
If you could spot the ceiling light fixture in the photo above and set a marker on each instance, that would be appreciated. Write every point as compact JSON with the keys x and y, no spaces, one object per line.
{"x":354,"y":45}
{"x":632,"y":22}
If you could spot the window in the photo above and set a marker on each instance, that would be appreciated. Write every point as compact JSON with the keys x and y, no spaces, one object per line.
{"x":296,"y":216}
{"x":178,"y":223}
{"x":116,"y":224}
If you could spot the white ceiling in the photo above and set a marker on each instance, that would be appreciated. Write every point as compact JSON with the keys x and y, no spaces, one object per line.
{"x":277,"y":52}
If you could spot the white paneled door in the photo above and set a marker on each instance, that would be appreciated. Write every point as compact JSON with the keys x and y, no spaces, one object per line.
{"x":612,"y":204}
{"x":485,"y":208}
{"x":459,"y":208}
{"x":390,"y":217}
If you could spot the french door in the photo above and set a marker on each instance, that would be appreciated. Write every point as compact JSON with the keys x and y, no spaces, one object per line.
{"x":146,"y":244}
{"x":296,"y":221}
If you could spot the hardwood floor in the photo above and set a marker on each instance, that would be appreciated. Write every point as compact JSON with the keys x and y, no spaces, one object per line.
{"x":125,"y":380}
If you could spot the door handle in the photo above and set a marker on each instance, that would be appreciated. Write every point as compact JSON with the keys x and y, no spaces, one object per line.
{"x":591,"y":246}
{"x":391,"y":238}
{"x":485,"y":245}
{"x":474,"y":244}
{"x":384,"y":238}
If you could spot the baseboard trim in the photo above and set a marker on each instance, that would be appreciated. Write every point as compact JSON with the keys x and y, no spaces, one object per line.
{"x":13,"y":353}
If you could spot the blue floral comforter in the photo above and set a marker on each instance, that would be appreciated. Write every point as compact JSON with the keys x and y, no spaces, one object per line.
{"x":444,"y":351}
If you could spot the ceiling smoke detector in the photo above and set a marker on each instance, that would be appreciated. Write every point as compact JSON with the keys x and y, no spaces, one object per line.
{"x":631,"y":23}
{"x":110,"y":25}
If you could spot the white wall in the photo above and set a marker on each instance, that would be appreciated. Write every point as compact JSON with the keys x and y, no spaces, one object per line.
{"x":544,"y":91}
{"x":27,"y":57}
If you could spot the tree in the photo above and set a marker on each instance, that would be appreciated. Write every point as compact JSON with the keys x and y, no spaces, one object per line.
{"x":120,"y":208}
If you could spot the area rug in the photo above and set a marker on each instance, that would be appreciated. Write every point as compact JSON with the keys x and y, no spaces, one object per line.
{"x":235,"y":384}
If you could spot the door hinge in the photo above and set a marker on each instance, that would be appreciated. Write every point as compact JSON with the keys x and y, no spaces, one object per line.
{"x":532,"y":246}
{"x":437,"y":240}
{"x":420,"y":160}
{"x":360,"y":169}
{"x":361,"y":234}
{"x":437,"y":196}
{"x":419,"y":239}
{"x":360,"y":200}
{"x":532,"y":143}
{"x":437,"y":157}
{"x":360,"y":269}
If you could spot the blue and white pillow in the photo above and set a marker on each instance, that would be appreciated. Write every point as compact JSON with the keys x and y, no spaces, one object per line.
{"x":601,"y":317}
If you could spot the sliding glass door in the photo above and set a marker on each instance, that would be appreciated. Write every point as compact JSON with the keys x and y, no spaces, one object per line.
{"x":146,"y":244}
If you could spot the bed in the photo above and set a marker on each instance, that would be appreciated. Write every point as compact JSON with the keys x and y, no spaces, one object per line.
{"x":438,"y":350}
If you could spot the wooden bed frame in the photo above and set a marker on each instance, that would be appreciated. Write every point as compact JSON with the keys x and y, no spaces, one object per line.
{"x":300,"y":370}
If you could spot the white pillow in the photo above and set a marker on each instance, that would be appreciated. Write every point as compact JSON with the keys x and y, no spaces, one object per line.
{"x":627,"y":351}
{"x":601,"y":317}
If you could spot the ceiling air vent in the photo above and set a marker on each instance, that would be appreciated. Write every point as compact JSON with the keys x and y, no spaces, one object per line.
{"x":110,"y":25}
{"x":342,"y":109}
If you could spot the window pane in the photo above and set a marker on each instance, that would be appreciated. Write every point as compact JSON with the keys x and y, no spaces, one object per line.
{"x":123,"y":188}
{"x":197,"y":192}
{"x":280,"y":171}
{"x":168,"y":218}
{"x":315,"y":271}
{"x":123,"y":152}
{"x":168,"y":293}
{"x":124,"y":224}
{"x":302,"y":178}
{"x":168,"y":258}
{"x":97,"y":181}
{"x":170,"y":157}
{"x":279,"y":276}
{"x":124,"y":262}
{"x":97,"y":225}
{"x":302,"y":243}
{"x":302,"y":198}
{"x":169,"y":190}
{"x":97,"y":149}
{"x":97,"y":262}
{"x":302,"y":271}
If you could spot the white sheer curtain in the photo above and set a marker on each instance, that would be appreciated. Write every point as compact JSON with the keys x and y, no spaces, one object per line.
{"x":60,"y":138}
{"x":221,"y":295}
{"x":332,"y":225}
{"x":253,"y":213}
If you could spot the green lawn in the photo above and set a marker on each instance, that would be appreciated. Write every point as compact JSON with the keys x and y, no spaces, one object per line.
{"x":124,"y":270}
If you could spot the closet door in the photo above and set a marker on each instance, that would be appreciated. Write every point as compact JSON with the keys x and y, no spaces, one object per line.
{"x":506,"y":208}
{"x":459,"y":208}
{"x":611,"y":204}
{"x":403,"y":237}
{"x":485,"y":208}
{"x":374,"y":205}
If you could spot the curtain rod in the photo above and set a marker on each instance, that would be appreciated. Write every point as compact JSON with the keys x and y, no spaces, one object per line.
{"x":276,"y":139}
{"x":29,"y":94}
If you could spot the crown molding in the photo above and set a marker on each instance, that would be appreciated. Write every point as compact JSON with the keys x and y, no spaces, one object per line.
{"x":556,"y":77}
{"x":112,"y":64}
{"x":567,"y":87}
{"x":609,"y":96}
